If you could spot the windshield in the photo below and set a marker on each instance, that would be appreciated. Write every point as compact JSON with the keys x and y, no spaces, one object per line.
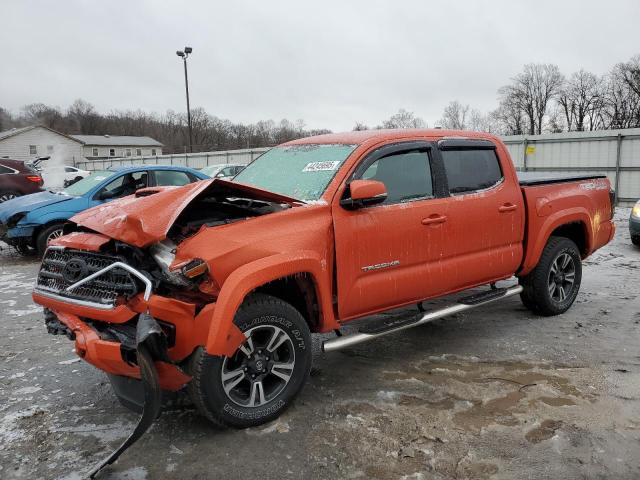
{"x":298,"y":171}
{"x":211,"y":170}
{"x":83,"y":186}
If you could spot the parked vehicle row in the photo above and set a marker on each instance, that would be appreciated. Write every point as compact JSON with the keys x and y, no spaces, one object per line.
{"x":32,"y":221}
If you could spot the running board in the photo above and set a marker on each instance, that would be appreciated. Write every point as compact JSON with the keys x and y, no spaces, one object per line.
{"x":466,"y":303}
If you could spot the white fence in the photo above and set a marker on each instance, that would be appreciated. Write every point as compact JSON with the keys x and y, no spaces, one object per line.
{"x":193,"y":160}
{"x":615,"y":153}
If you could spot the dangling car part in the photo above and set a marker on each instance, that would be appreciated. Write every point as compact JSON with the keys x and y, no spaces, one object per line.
{"x":151,"y":345}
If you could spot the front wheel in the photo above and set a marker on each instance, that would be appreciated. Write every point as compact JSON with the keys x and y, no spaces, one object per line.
{"x":553,"y":285}
{"x":45,"y":236}
{"x":257,"y":383}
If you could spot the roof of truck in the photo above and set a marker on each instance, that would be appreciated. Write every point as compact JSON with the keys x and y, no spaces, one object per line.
{"x":359,"y":137}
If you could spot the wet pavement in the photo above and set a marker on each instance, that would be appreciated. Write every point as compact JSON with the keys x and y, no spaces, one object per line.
{"x":493,"y":393}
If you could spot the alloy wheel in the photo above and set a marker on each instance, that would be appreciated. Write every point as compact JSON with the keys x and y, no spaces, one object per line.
{"x":7,"y":196}
{"x":261,"y":368}
{"x":53,"y":235}
{"x":562,"y":277}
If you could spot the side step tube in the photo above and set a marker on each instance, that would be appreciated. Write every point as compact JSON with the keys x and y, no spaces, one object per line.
{"x":360,"y":337}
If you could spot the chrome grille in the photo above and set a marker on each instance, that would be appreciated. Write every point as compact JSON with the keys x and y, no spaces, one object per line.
{"x":54,"y":274}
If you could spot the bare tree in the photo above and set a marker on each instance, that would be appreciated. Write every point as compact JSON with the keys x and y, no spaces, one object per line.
{"x":403,"y":119}
{"x":621,"y":102}
{"x":579,"y":98}
{"x":532,"y":90}
{"x":359,"y":126}
{"x":455,"y":116}
{"x":509,"y":116}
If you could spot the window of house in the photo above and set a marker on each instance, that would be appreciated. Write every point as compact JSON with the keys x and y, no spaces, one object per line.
{"x":112,"y":152}
{"x":153,"y":151}
{"x":128,"y":152}
{"x":406,"y":175}
{"x":33,"y":149}
{"x":139,"y":152}
{"x":94,"y":152}
{"x":471,"y":170}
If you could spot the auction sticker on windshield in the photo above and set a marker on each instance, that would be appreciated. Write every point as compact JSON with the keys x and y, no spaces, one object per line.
{"x":321,"y":166}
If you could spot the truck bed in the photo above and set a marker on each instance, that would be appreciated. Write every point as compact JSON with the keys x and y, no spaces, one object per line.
{"x":544,"y":178}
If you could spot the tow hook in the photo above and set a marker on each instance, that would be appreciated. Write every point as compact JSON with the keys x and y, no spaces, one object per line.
{"x":151,"y":344}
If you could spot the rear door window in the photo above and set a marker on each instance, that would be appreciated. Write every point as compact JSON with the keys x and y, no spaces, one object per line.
{"x":5,"y":170}
{"x":470,"y":170}
{"x":171,"y":178}
{"x":406,"y":175}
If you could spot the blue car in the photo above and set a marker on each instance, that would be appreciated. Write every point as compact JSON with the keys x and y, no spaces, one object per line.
{"x":31,"y":221}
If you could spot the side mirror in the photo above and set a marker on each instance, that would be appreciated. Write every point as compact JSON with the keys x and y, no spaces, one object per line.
{"x":364,"y":193}
{"x":219,"y":175}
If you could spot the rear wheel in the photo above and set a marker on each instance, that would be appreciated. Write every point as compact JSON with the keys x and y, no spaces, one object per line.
{"x":4,"y":196}
{"x":261,"y":379}
{"x":51,"y":232}
{"x":635,"y":239}
{"x":553,"y":285}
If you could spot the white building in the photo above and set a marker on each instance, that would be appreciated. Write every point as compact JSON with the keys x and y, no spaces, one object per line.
{"x":115,"y":146}
{"x":29,"y":143}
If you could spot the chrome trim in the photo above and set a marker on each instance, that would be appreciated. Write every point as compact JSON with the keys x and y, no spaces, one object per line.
{"x":356,"y":338}
{"x":75,"y":301}
{"x":147,"y":283}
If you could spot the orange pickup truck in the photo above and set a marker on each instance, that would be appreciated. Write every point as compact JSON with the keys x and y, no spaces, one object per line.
{"x":216,"y":286}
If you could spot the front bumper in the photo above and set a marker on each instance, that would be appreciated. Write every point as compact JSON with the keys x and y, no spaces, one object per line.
{"x":111,"y":356}
{"x":17,"y":233}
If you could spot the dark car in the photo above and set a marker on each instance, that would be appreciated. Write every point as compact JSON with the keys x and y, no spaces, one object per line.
{"x":634,"y":224}
{"x":17,"y":179}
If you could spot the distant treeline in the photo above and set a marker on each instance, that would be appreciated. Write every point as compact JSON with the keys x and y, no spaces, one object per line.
{"x":539,"y":99}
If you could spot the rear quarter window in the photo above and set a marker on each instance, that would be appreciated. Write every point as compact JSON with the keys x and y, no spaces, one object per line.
{"x":471,"y":170}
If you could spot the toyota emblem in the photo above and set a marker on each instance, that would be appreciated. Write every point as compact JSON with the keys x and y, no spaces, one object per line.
{"x":74,"y":270}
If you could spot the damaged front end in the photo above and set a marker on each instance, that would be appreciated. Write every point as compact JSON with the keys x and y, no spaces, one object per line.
{"x":118,"y":286}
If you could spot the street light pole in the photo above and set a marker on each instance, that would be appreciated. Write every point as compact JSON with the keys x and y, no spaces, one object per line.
{"x":185,"y":54}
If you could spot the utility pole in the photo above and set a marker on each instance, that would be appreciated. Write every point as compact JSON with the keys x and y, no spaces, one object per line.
{"x":185,"y":54}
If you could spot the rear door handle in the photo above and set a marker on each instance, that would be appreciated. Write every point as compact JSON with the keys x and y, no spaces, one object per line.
{"x":507,"y":207}
{"x":434,"y":219}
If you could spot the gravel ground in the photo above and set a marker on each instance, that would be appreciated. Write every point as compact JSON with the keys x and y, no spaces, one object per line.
{"x":493,"y":393}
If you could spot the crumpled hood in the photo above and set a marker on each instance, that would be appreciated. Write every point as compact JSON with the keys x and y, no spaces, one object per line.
{"x":28,"y":203}
{"x":144,"y":220}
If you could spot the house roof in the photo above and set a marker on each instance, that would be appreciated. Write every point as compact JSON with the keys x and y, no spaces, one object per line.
{"x":117,"y":140}
{"x":17,"y":131}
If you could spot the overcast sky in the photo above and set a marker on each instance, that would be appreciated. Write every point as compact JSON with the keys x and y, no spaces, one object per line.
{"x":330,"y":63}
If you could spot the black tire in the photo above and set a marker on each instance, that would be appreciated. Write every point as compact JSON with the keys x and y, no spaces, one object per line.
{"x":49,"y":232}
{"x":8,"y":195}
{"x":267,"y":320}
{"x":553,"y":285}
{"x":635,"y":239}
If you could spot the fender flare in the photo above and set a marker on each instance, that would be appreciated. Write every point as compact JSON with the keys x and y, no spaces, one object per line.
{"x":578,"y":215}
{"x":224,"y":337}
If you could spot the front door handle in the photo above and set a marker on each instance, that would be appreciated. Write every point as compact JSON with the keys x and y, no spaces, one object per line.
{"x":434,"y":219}
{"x":507,"y":207}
